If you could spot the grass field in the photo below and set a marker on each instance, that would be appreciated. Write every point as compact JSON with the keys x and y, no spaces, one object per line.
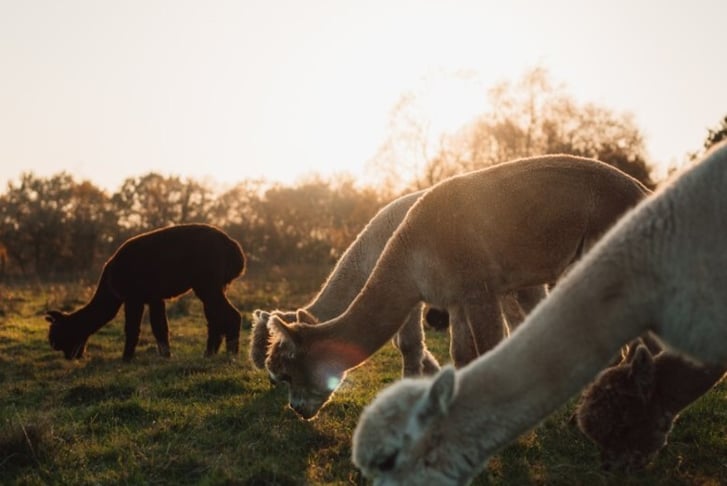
{"x":195,"y":420}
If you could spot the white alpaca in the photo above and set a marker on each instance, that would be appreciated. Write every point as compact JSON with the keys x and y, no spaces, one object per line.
{"x":463,"y":245}
{"x":661,"y":268}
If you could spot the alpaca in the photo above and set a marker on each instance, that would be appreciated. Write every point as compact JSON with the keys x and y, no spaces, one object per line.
{"x":630,"y":409}
{"x":662,"y":268}
{"x":349,"y":276}
{"x":149,"y":268}
{"x":512,"y":226}
{"x":345,"y":282}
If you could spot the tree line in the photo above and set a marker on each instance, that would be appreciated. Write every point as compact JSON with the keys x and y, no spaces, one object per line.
{"x":59,"y":226}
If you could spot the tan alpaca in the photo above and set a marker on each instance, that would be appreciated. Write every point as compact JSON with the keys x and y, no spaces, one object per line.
{"x":348,"y":278}
{"x":465,"y":243}
{"x":629,"y":410}
{"x":661,"y":268}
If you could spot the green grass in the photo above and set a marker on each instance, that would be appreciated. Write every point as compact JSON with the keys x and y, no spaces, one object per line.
{"x":191,"y":420}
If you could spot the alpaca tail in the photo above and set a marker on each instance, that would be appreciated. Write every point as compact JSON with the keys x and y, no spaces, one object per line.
{"x":236,"y":263}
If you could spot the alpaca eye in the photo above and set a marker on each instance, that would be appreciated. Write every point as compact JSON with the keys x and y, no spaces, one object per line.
{"x":284,"y":377}
{"x":388,"y":463}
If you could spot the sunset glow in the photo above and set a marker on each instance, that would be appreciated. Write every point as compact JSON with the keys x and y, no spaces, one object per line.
{"x":232,"y":90}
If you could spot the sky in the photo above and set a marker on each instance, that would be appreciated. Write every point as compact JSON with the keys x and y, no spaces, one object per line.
{"x":224,"y":91}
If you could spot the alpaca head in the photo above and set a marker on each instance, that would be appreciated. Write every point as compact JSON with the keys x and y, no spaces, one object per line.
{"x":260,"y":339}
{"x":620,"y":413}
{"x":312,"y":368}
{"x":64,"y":336}
{"x":398,"y":439}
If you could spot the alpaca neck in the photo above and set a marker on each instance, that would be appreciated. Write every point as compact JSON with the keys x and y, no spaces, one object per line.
{"x":564,"y":343}
{"x":681,"y":381}
{"x":341,"y":287}
{"x":102,"y":307}
{"x":373,"y":318}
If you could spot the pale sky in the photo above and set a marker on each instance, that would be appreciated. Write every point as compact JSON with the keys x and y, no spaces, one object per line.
{"x":233,"y":90}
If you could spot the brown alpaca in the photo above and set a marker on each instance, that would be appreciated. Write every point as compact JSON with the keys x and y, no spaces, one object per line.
{"x":629,"y":410}
{"x":152,"y":267}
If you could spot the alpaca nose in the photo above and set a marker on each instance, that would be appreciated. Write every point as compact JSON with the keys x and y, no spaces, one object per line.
{"x":304,"y":411}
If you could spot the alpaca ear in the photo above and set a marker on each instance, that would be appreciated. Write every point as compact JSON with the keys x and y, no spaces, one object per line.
{"x":284,"y":331}
{"x":440,"y":395}
{"x":642,"y":371}
{"x":259,"y":338}
{"x":302,"y":315}
{"x":53,"y":317}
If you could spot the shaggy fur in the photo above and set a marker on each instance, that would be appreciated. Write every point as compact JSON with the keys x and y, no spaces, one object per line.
{"x":152,"y":267}
{"x":512,"y":226}
{"x":662,"y":268}
{"x":629,"y":410}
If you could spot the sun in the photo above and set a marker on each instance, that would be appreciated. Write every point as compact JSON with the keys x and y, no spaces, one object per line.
{"x":450,"y":100}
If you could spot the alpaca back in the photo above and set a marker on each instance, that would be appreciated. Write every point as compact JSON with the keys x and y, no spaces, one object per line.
{"x":167,"y":262}
{"x":519,"y":224}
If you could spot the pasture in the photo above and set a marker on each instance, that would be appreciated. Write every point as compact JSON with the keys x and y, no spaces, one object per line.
{"x":196,"y":420}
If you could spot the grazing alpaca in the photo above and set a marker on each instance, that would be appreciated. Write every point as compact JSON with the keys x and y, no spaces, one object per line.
{"x":152,"y":267}
{"x":629,"y":410}
{"x":348,"y":278}
{"x":661,"y":268}
{"x":345,"y":282}
{"x":512,"y":226}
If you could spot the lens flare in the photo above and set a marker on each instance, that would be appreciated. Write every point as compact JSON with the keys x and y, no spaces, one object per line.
{"x":332,"y":382}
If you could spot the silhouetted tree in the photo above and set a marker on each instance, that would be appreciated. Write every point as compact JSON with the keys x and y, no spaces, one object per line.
{"x":153,"y":201}
{"x":527,"y":118}
{"x":716,"y":135}
{"x":54,"y":225}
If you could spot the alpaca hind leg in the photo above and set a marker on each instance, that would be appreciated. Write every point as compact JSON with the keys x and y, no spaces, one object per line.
{"x":222,"y":320}
{"x":160,"y":327}
{"x":133,"y":311}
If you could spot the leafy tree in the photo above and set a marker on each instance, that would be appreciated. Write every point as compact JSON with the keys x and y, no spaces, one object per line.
{"x":313,"y":222}
{"x":153,"y":201}
{"x":54,"y":225}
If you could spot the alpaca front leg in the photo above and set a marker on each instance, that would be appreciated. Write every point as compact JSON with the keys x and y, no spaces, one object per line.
{"x":133,"y":310}
{"x":160,"y":327}
{"x":484,"y":319}
{"x":410,"y":341}
{"x":462,"y":347}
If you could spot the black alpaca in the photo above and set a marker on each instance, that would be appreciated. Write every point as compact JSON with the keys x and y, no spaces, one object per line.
{"x":152,"y":267}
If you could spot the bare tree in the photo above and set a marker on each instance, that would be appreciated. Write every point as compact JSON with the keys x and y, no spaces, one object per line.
{"x":532,"y":116}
